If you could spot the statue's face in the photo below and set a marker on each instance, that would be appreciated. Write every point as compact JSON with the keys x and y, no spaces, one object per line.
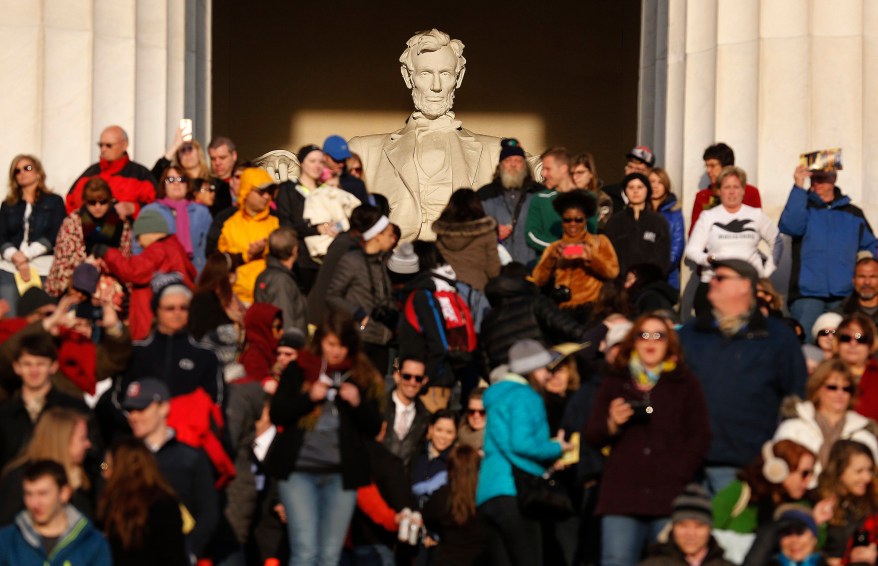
{"x":434,"y":81}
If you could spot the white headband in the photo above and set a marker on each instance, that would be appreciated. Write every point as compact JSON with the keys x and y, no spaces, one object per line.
{"x":376,"y":228}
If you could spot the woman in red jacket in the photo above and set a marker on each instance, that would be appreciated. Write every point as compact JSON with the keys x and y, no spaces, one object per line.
{"x":650,"y":410}
{"x":855,"y":343}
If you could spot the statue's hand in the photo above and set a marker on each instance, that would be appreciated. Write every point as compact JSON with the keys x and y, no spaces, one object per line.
{"x":280,"y":164}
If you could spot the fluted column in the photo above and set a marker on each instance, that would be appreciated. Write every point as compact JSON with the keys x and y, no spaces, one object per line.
{"x":72,"y":67}
{"x":773,"y":79}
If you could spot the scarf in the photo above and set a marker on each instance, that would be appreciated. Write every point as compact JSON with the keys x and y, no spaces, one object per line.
{"x":645,"y":379}
{"x":313,"y":366}
{"x":106,"y":230}
{"x":731,"y":325}
{"x":831,"y":433}
{"x":179,"y":208}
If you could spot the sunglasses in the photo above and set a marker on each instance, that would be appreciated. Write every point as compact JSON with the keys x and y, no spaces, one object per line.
{"x":266,"y":192}
{"x":806,"y":474}
{"x":171,"y":180}
{"x":857,"y":337}
{"x":207,"y":190}
{"x":104,"y":144}
{"x":849,"y":389}
{"x":657,"y":336}
{"x":411,"y":376}
{"x":101,"y":202}
{"x":356,"y":169}
{"x":173,"y":308}
{"x":826,"y":332}
{"x":577,"y":220}
{"x":25,"y":168}
{"x":474,"y":412}
{"x":186,"y":149}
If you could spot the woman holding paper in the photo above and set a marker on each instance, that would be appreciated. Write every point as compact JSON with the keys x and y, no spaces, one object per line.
{"x":29,"y":221}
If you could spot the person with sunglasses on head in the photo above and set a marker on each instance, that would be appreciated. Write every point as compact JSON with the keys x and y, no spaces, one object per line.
{"x":405,"y":417}
{"x":30,"y":218}
{"x":648,"y":399}
{"x":245,"y":233}
{"x":187,"y":219}
{"x":855,"y":345}
{"x":187,"y":157}
{"x":747,"y":364}
{"x":579,"y":262}
{"x":132,"y":184}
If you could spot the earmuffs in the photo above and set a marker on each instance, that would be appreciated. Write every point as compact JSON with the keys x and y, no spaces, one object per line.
{"x":775,"y":469}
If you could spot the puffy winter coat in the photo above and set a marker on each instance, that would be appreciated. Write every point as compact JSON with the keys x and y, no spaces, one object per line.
{"x":673,"y":213}
{"x":470,"y":248}
{"x":359,"y":284}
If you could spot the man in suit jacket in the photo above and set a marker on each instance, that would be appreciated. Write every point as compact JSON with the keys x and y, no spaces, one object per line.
{"x":418,"y":166}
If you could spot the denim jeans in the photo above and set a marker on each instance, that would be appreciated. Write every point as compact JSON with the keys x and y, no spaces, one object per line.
{"x":318,"y":511}
{"x":807,"y":309}
{"x":716,"y":478}
{"x":625,"y":538}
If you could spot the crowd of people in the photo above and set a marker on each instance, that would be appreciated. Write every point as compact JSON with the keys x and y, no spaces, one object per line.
{"x":202,"y":364}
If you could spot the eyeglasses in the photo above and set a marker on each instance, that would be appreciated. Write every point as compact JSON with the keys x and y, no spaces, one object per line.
{"x":826,"y":332}
{"x":577,"y":220}
{"x":105,"y":144}
{"x":719,"y":278}
{"x":207,"y":189}
{"x":172,"y":180}
{"x":474,"y":412}
{"x":175,"y":308}
{"x":25,"y":168}
{"x":849,"y":389}
{"x":411,"y":376}
{"x":101,"y":202}
{"x":856,"y":337}
{"x":657,"y":336}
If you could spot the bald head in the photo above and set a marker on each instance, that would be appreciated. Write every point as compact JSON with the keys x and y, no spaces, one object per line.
{"x":113,"y":143}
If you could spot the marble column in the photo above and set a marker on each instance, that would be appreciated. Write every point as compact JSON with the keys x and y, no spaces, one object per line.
{"x":773,"y":79}
{"x":72,"y":67}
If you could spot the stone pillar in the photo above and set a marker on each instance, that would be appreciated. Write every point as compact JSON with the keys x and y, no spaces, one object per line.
{"x":72,"y":67}
{"x":773,"y":79}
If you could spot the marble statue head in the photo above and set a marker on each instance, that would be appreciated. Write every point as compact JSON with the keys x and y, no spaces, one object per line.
{"x":432,"y":67}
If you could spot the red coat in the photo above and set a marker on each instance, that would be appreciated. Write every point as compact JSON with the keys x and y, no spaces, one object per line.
{"x":705,"y":200}
{"x":867,"y":398}
{"x":163,"y":256}
{"x":129,"y":181}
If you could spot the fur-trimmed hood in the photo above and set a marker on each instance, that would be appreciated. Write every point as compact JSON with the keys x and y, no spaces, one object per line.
{"x":458,"y":235}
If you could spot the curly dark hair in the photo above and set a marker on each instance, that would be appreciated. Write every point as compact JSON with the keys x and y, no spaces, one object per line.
{"x":578,"y":199}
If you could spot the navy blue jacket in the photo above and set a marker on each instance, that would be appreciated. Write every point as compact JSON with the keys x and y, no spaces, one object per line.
{"x":47,"y":214}
{"x":826,"y":239}
{"x":744,"y":379}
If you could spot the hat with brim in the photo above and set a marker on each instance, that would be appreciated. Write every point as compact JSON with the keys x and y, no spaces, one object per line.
{"x":529,"y":355}
{"x":741,"y":267}
{"x":564,"y":351}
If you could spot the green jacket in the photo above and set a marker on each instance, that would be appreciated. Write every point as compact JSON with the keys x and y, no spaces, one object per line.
{"x":543,"y":224}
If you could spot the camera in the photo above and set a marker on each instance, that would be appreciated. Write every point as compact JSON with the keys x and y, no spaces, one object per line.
{"x":642,"y":411}
{"x":560,"y":294}
{"x":386,"y":315}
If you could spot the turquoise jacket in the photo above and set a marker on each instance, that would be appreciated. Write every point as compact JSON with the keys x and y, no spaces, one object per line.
{"x":517,"y":434}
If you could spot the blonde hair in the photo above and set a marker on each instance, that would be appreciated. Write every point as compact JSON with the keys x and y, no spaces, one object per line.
{"x":203,"y":169}
{"x":14,"y":194}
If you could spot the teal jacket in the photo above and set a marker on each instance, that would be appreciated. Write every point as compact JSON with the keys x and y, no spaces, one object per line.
{"x":517,"y":434}
{"x":81,"y":545}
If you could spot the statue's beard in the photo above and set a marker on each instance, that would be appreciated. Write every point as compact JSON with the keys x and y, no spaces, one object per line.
{"x":513,"y":179}
{"x":432,"y":109}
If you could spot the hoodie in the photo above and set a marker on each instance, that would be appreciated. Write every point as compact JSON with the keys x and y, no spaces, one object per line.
{"x":241,"y":229}
{"x":260,"y":348}
{"x":470,"y":248}
{"x":80,"y":545}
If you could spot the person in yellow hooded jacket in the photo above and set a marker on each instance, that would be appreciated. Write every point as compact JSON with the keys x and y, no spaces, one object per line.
{"x":245,"y":233}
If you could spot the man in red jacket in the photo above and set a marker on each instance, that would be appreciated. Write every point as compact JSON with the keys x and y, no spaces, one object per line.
{"x":162,"y":253}
{"x":132,"y":184}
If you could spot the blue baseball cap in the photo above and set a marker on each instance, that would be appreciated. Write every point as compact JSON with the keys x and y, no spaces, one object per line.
{"x":337,"y":148}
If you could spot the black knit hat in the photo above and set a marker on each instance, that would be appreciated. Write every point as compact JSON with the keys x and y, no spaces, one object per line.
{"x":640,"y":177}
{"x":510,"y":147}
{"x":693,"y":503}
{"x":305,"y":150}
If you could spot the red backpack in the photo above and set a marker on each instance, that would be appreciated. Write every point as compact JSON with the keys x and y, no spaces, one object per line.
{"x":454,"y":320}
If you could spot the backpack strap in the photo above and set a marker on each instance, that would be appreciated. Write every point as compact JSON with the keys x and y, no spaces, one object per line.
{"x":743,"y":500}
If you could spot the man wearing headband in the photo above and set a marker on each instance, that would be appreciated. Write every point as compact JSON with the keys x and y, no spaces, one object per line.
{"x":417,"y":167}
